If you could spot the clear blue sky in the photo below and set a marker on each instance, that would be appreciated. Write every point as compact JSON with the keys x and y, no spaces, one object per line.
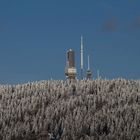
{"x":35,"y":34}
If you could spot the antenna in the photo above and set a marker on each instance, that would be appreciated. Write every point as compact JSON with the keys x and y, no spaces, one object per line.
{"x":82,"y":57}
{"x":89,"y":73}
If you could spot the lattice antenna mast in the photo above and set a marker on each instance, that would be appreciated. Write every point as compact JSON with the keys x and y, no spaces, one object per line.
{"x":89,"y":73}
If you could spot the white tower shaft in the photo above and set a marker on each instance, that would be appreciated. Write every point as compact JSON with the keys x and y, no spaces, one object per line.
{"x":82,"y":52}
{"x":82,"y":63}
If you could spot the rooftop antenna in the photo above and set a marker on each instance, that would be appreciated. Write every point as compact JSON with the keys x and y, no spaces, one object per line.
{"x":82,"y":57}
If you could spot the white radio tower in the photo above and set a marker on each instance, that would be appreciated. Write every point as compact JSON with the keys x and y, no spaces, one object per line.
{"x":82,"y":57}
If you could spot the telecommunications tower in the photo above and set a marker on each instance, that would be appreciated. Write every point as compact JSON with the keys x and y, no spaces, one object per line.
{"x":70,"y":70}
{"x":89,"y":73}
{"x":82,"y":63}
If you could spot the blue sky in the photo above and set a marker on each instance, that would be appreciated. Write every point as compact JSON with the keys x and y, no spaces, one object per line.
{"x":35,"y":34}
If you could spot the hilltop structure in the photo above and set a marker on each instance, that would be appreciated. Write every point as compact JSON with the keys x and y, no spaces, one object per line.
{"x":89,"y":73}
{"x":70,"y":69}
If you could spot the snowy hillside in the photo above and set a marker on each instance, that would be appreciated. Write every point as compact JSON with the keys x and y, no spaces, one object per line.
{"x":81,"y":110}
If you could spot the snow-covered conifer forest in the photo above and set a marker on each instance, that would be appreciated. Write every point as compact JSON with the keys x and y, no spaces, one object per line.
{"x":64,"y":110}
